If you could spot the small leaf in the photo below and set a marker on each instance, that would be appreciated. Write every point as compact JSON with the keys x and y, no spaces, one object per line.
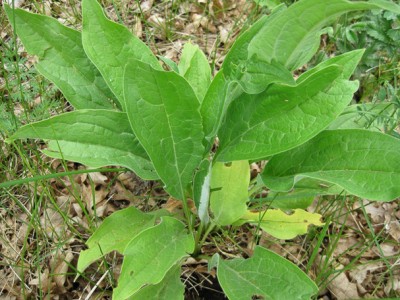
{"x":164,"y":114}
{"x":109,"y":45}
{"x":194,"y":67}
{"x":95,"y":138}
{"x":114,"y":234}
{"x":229,"y":191}
{"x":151,"y":254}
{"x":281,"y":225}
{"x":265,"y":275}
{"x":61,"y":59}
{"x":283,"y":117}
{"x":170,"y":288}
{"x":364,"y":163}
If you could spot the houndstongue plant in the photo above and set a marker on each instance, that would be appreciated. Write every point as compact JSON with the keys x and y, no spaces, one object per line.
{"x":161,"y":124}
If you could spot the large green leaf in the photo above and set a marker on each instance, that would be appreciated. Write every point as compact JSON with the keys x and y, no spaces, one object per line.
{"x":151,"y":254}
{"x":293,"y":37}
{"x":92,"y":137}
{"x":229,"y":191}
{"x":282,"y":225}
{"x":61,"y":58}
{"x":170,"y":288}
{"x":265,"y":275}
{"x":114,"y":234}
{"x":164,"y":115}
{"x":283,"y":117}
{"x":364,"y":163}
{"x":194,"y":67}
{"x":110,"y":45}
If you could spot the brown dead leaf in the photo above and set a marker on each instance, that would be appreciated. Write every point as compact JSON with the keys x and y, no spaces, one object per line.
{"x":341,"y":287}
{"x":98,"y":178}
{"x":60,"y":264}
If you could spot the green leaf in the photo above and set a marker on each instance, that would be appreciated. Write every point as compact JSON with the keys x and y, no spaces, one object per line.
{"x":61,"y":58}
{"x":348,"y":61}
{"x":114,"y":234}
{"x":110,"y":45}
{"x":229,"y":191}
{"x":194,"y":67}
{"x":283,"y":117}
{"x":214,"y":107}
{"x":257,"y":75}
{"x":92,"y":137}
{"x":201,"y":190}
{"x":291,"y":44}
{"x":170,"y":288}
{"x":281,"y":225}
{"x":151,"y":254}
{"x":164,"y":115}
{"x":265,"y":275}
{"x":238,"y":56}
{"x":364,"y":163}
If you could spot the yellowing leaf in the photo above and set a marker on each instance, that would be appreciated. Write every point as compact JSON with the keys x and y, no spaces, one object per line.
{"x":284,"y":226}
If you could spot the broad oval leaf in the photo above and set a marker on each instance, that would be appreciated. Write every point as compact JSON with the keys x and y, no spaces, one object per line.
{"x":283,"y":117}
{"x":265,"y":275}
{"x":229,"y":191}
{"x":365,"y":163}
{"x":151,"y":254}
{"x":61,"y":59}
{"x":114,"y":234}
{"x":281,"y":225}
{"x":92,"y":137}
{"x":109,"y":45}
{"x":164,"y":114}
{"x":194,"y":67}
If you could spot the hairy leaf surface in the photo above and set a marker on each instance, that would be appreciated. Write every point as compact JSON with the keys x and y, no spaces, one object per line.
{"x":110,"y":45}
{"x":61,"y":59}
{"x":164,"y":114}
{"x":151,"y":254}
{"x":229,"y":186}
{"x":95,"y":138}
{"x":114,"y":234}
{"x":365,"y":163}
{"x":265,"y":275}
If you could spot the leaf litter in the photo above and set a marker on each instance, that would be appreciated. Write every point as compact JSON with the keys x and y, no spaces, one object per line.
{"x":75,"y":205}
